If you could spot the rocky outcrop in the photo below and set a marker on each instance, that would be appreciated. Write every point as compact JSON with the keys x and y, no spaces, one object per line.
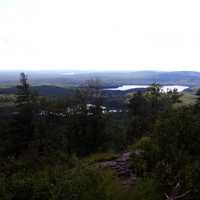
{"x":122,"y":169}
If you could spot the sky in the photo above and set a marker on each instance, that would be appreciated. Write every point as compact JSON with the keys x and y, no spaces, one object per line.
{"x":100,"y":34}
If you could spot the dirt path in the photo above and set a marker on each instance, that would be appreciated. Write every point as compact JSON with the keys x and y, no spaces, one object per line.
{"x":122,"y":169}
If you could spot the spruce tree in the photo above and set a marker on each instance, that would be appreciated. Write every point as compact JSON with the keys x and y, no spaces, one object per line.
{"x":26,"y":112}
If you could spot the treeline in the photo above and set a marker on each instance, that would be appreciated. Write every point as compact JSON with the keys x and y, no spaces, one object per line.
{"x":45,"y":145}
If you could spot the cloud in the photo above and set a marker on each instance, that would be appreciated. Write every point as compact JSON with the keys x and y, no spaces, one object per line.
{"x":106,"y":34}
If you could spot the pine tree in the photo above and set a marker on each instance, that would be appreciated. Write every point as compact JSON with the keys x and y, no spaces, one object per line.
{"x":26,"y":112}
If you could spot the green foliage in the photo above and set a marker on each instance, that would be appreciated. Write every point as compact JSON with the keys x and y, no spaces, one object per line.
{"x":187,"y":99}
{"x":139,"y":116}
{"x":49,"y":148}
{"x":86,"y":123}
{"x":147,"y":189}
{"x":7,"y":98}
{"x":145,"y":108}
{"x":79,"y":183}
{"x":180,"y":149}
{"x":143,"y":159}
{"x":24,"y":120}
{"x":172,"y":154}
{"x":117,"y":134}
{"x":198,"y":99}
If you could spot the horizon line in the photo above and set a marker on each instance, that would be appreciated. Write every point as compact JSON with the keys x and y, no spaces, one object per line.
{"x":96,"y":70}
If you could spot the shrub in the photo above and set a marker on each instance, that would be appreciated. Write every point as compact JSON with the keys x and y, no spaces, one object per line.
{"x":60,"y":183}
{"x":147,"y":189}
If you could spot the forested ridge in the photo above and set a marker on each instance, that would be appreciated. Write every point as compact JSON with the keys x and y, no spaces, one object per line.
{"x":73,"y":148}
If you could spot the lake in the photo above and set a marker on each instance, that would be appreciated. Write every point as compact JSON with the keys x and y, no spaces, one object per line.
{"x":165,"y":88}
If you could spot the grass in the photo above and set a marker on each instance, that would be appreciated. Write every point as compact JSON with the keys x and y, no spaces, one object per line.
{"x":7,"y":100}
{"x":100,"y":157}
{"x":187,"y":99}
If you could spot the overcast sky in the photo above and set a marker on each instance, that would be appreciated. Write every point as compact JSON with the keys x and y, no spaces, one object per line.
{"x":100,"y":34}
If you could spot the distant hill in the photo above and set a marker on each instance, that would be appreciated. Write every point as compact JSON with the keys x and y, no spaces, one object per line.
{"x":187,"y":78}
{"x":49,"y":91}
{"x":108,"y":79}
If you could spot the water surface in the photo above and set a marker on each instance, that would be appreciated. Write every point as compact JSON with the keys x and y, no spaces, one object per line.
{"x":165,"y":88}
